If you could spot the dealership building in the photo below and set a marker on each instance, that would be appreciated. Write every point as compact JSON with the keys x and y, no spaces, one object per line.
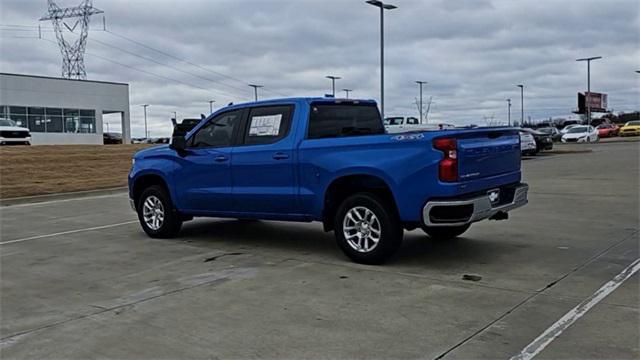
{"x":63,"y":111}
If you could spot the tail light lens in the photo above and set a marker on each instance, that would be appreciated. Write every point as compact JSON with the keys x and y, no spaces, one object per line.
{"x":448,"y":167}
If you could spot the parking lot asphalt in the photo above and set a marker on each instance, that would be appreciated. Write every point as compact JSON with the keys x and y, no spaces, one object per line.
{"x":79,"y":279}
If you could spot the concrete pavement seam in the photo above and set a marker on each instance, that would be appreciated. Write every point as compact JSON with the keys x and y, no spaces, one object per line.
{"x":535,"y":294}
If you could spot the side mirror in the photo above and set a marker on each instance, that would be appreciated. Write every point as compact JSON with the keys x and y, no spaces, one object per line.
{"x":178,"y":143}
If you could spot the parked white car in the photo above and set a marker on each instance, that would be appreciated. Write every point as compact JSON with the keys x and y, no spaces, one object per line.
{"x":11,"y":133}
{"x":527,"y":143}
{"x":568,"y":127}
{"x":581,"y":134}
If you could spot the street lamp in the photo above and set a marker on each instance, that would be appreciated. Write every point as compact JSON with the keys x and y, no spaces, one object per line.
{"x":587,"y":97}
{"x":382,"y":7}
{"x":347,"y":91}
{"x":521,"y":104}
{"x":255,"y":90}
{"x":146,"y":133}
{"x":509,"y":102}
{"x":333,"y":83}
{"x":420,"y":106}
{"x":211,"y":105}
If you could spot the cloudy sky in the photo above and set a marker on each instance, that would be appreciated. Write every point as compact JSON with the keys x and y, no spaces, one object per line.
{"x":472,"y":53}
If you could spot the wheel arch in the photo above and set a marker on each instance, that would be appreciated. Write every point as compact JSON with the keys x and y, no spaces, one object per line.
{"x":144,"y":181}
{"x":346,"y":185}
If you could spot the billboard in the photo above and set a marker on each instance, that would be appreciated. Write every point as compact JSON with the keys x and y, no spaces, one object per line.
{"x":597,"y":102}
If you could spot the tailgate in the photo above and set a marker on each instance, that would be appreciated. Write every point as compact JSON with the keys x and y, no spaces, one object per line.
{"x":488,"y":152}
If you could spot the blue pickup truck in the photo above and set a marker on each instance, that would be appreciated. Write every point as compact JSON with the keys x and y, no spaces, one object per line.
{"x":329,"y":160}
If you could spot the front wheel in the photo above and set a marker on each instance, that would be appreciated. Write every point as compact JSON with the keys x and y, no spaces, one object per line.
{"x":445,"y":232}
{"x":157,"y":215}
{"x":367,"y":229}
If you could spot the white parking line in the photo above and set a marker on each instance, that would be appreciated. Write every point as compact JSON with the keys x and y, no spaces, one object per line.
{"x":8,"y":207}
{"x":67,"y":232}
{"x":541,"y":342}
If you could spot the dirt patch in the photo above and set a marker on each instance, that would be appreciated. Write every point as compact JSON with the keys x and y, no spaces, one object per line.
{"x":48,"y":169}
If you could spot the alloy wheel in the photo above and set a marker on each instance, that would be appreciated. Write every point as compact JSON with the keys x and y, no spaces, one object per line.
{"x":153,"y":212}
{"x":361,"y":229}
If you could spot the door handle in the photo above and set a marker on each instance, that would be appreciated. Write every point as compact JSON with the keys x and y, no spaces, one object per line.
{"x":280,"y":156}
{"x":220,"y":158}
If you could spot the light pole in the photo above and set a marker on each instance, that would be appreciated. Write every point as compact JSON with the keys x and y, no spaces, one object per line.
{"x":587,"y":97}
{"x":146,"y":133}
{"x":211,"y":106}
{"x":255,"y":90}
{"x":382,"y":7}
{"x":509,"y":119}
{"x":347,"y":91}
{"x":108,"y":126}
{"x":521,"y":104}
{"x":420,"y":106}
{"x":333,"y":83}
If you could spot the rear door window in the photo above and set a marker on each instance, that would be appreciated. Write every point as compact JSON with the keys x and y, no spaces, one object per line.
{"x":340,"y":120}
{"x":267,"y":124}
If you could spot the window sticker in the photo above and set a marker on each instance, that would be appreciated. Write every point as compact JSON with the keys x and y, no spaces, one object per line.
{"x":268,"y":125}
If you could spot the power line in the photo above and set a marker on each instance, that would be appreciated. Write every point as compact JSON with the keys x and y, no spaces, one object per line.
{"x":140,"y":70}
{"x":139,"y":43}
{"x":184,"y":60}
{"x":169,"y":66}
{"x":18,"y":37}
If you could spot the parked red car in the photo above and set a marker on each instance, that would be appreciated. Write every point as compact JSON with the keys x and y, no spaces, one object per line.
{"x":608,"y":130}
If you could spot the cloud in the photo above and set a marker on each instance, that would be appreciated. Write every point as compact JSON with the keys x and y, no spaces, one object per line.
{"x":472,"y":53}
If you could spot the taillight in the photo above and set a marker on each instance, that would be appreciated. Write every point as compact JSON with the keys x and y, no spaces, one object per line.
{"x":448,"y":167}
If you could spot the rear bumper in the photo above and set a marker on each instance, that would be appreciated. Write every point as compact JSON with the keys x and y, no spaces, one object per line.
{"x":456,"y":212}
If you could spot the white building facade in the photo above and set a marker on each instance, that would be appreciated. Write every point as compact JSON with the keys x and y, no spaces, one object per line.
{"x":63,"y":111}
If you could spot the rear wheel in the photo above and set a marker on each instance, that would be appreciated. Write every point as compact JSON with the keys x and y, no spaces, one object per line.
{"x":157,"y":214}
{"x":445,"y":232}
{"x":367,"y":229}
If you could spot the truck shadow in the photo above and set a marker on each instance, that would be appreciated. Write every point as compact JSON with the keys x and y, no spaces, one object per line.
{"x":307,"y":241}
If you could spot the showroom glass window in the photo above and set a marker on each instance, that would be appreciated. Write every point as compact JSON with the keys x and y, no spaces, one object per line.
{"x":87,"y":121}
{"x":71,"y":120}
{"x":51,"y":120}
{"x":36,"y":118}
{"x":17,"y":114}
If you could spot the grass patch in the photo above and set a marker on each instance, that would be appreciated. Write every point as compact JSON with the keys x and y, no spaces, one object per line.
{"x":49,"y":169}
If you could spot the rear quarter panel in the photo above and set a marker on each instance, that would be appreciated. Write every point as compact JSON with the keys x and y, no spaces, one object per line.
{"x":407,"y":163}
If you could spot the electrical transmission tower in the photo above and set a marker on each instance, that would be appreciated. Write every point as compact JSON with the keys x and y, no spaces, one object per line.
{"x":72,"y":53}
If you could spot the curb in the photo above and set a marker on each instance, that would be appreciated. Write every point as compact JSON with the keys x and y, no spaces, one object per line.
{"x":581,"y":151}
{"x":61,"y":196}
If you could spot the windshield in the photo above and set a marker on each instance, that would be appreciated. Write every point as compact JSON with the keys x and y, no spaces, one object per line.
{"x":632,"y":123}
{"x":546,"y":130}
{"x":7,"y":122}
{"x":576,"y":130}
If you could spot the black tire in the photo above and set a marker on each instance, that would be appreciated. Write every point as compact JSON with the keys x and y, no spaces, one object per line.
{"x":172,"y":221}
{"x":388,"y":225}
{"x":445,"y":232}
